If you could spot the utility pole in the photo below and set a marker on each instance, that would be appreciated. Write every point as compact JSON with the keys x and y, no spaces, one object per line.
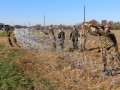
{"x":84,"y":13}
{"x":44,"y":21}
{"x":84,"y":32}
{"x":29,"y":34}
{"x":29,"y":25}
{"x":84,"y":37}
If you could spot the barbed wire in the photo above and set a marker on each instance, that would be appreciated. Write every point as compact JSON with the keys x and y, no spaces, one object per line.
{"x":86,"y":64}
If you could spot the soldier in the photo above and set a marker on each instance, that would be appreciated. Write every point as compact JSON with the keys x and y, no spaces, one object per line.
{"x":83,"y":36}
{"x":110,"y":54}
{"x":7,"y":28}
{"x":61,"y":37}
{"x":52,"y":36}
{"x":74,"y":37}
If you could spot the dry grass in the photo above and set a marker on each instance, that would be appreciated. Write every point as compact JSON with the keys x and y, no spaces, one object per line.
{"x":62,"y":74}
{"x":116,"y":32}
{"x":66,"y":71}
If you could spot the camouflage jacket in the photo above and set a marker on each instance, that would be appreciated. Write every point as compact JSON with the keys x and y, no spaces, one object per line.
{"x":61,"y":35}
{"x":83,"y":33}
{"x":95,"y":32}
{"x":108,"y":40}
{"x":52,"y":35}
{"x":74,"y":34}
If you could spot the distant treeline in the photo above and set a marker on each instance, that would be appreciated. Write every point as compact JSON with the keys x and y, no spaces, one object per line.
{"x":114,"y":25}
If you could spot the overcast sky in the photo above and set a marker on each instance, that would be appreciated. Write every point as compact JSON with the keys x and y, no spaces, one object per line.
{"x":66,"y":12}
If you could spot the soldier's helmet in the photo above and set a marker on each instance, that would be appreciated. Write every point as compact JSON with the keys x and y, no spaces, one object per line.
{"x":85,"y":24}
{"x":60,"y":30}
{"x":73,"y":28}
{"x":108,"y":26}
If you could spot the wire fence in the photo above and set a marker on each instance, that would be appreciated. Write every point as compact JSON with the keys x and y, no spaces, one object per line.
{"x":84,"y":63}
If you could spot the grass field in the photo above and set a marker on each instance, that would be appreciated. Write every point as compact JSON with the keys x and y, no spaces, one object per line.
{"x":11,"y":77}
{"x":16,"y":71}
{"x":116,"y":32}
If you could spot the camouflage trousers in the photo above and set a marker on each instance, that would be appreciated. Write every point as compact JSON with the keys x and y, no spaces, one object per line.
{"x":111,"y":58}
{"x":82,"y":43}
{"x":75,"y":44}
{"x":61,"y":43}
{"x":53,"y":43}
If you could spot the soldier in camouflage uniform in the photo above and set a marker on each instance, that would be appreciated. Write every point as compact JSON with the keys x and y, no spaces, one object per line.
{"x":53,"y":38}
{"x":109,"y":47}
{"x":74,"y":37}
{"x":61,"y":37}
{"x":83,"y":37}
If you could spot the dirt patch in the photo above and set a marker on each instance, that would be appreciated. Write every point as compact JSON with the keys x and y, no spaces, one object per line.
{"x":4,"y":41}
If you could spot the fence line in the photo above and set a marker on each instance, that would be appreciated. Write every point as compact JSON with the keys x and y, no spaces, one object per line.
{"x":28,"y":40}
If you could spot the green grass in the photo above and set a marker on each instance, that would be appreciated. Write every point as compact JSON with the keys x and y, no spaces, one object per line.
{"x":4,"y":33}
{"x":11,"y":77}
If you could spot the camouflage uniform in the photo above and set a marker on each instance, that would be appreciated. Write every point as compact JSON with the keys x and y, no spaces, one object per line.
{"x":74,"y":37}
{"x":111,"y":56}
{"x":61,"y":37}
{"x":53,"y":39}
{"x":83,"y":36}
